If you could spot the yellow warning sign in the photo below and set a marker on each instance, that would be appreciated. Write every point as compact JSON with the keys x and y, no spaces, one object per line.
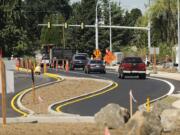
{"x":97,"y":53}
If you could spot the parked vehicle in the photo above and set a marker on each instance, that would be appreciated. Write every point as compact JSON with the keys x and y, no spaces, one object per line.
{"x":78,"y":61}
{"x":95,"y":66}
{"x":50,"y":53}
{"x":132,"y":66}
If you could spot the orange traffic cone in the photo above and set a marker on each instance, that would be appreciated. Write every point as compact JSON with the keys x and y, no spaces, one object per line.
{"x":106,"y":132}
{"x":17,"y":64}
{"x":67,"y":66}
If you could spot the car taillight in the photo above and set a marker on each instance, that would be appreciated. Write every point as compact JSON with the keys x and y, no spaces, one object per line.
{"x":126,"y":66}
{"x":142,"y":66}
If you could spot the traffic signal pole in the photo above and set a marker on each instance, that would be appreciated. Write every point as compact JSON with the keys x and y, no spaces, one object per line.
{"x":100,"y":26}
{"x":96,"y":27}
{"x":110,"y":30}
{"x":103,"y":26}
{"x":178,"y":36}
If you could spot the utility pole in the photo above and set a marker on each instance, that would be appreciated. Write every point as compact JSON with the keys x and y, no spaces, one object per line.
{"x":110,"y":29}
{"x":96,"y":26}
{"x":178,"y":37}
{"x":149,"y":34}
{"x":149,"y":30}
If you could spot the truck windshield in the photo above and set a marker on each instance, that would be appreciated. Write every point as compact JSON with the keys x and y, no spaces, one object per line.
{"x":132,"y":60}
{"x":96,"y":62}
{"x":80,"y":57}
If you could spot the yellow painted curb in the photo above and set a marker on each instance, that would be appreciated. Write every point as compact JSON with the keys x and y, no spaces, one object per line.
{"x":58,"y":109}
{"x":23,"y":69}
{"x":24,"y":114}
{"x":53,"y":76}
{"x":14,"y":106}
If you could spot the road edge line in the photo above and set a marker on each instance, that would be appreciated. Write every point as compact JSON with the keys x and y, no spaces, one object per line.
{"x":170,"y":92}
{"x":22,"y":109}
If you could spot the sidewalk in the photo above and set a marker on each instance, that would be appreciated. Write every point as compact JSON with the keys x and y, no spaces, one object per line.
{"x":174,"y":76}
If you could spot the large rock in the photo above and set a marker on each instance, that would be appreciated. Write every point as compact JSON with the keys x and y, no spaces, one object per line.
{"x":143,"y":123}
{"x":170,"y":119}
{"x":112,"y":116}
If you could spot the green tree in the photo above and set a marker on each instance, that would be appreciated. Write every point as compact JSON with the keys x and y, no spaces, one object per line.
{"x":117,"y":19}
{"x":82,"y":40}
{"x":12,"y":33}
{"x":56,"y":12}
{"x":130,"y":19}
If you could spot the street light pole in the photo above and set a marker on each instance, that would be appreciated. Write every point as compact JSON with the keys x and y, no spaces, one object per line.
{"x":149,"y":30}
{"x":110,"y":34}
{"x":96,"y":26}
{"x":178,"y":37}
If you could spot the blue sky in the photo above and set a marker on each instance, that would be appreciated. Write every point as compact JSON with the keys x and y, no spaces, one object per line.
{"x":129,"y":4}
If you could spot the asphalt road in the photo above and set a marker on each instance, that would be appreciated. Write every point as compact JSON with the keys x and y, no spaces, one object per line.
{"x":22,"y":81}
{"x":141,"y":89}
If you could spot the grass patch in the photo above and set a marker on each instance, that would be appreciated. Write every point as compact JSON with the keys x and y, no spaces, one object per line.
{"x":169,"y":100}
{"x":165,"y":103}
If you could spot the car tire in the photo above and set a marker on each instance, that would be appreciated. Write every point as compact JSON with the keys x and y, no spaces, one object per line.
{"x":142,"y":76}
{"x":104,"y":72}
{"x":121,"y":75}
{"x":85,"y":71}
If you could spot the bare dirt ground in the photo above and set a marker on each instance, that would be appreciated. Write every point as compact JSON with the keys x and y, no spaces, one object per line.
{"x":60,"y":91}
{"x":60,"y":129}
{"x":50,"y":94}
{"x":51,"y":129}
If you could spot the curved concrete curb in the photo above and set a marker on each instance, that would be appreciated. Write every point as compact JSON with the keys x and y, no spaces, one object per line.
{"x":172,"y":88}
{"x":52,"y":111}
{"x":50,"y":119}
{"x":22,"y":107}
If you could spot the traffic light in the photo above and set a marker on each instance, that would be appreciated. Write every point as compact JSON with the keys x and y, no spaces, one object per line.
{"x":65,"y":25}
{"x":82,"y":25}
{"x":49,"y":25}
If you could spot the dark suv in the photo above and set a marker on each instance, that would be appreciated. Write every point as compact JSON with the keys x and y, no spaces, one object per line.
{"x":78,"y":61}
{"x":95,"y":66}
{"x":132,"y":66}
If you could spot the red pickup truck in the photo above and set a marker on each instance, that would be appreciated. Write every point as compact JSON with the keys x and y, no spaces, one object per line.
{"x":132,"y":66}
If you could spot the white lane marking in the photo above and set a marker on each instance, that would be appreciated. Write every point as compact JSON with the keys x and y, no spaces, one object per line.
{"x":172,"y":88}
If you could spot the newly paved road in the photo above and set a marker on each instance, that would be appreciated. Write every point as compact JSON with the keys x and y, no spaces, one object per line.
{"x":22,"y":82}
{"x":141,"y":90}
